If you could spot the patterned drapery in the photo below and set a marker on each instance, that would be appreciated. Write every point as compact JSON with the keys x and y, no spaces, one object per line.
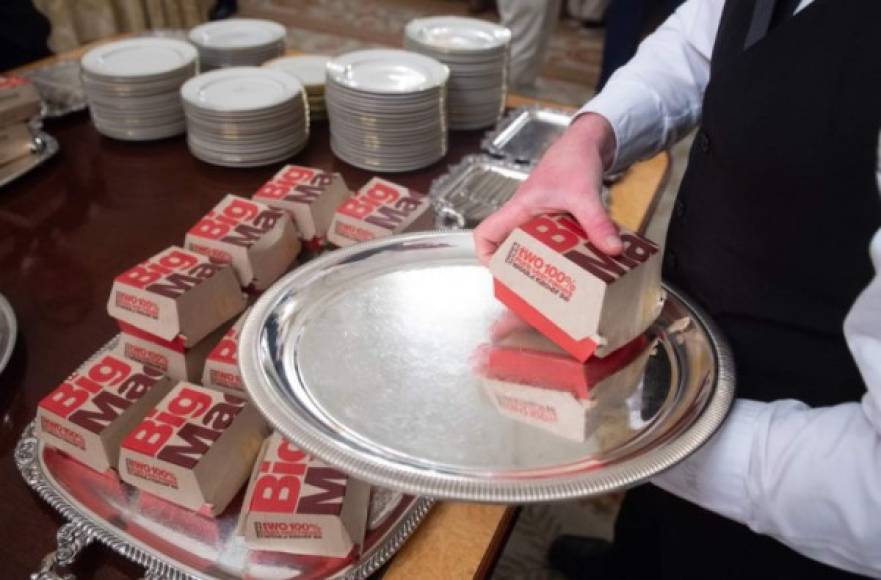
{"x":76,"y":22}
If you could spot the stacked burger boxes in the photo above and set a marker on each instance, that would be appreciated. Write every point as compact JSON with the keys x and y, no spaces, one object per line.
{"x":168,"y":306}
{"x":19,"y":105}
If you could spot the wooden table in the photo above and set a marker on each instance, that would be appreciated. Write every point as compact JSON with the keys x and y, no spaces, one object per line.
{"x":102,"y":205}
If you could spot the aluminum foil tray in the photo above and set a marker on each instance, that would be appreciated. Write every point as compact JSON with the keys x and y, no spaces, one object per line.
{"x":173,"y":543}
{"x":472,"y":189}
{"x":366,"y":357}
{"x":525,"y":133}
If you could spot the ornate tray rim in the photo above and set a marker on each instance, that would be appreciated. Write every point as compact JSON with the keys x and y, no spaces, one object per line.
{"x":45,"y":146}
{"x":457,"y":487}
{"x":81,"y":528}
{"x":487,"y":145}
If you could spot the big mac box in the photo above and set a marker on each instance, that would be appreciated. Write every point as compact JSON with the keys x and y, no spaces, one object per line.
{"x":195,"y":448}
{"x":309,"y":195}
{"x":221,"y":370}
{"x":170,"y":357}
{"x":380,"y":208}
{"x":19,"y":100}
{"x":258,"y":240}
{"x":88,"y":415}
{"x":298,"y":504}
{"x":177,"y":296}
{"x":588,"y":303}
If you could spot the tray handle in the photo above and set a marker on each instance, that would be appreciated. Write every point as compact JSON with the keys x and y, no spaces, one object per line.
{"x":71,"y":540}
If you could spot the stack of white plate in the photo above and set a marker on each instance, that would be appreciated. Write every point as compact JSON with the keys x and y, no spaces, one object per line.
{"x":245,"y":116}
{"x":132,"y":87}
{"x":387,"y":109}
{"x":237,"y":42}
{"x":310,"y":70}
{"x":477,"y":54}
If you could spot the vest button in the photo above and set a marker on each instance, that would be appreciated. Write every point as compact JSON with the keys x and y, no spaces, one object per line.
{"x":703,"y":141}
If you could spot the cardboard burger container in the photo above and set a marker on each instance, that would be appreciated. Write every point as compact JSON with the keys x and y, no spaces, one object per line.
{"x":170,"y":357}
{"x":177,"y":296}
{"x":380,"y":208}
{"x":194,"y":449}
{"x":90,"y":413}
{"x":19,"y":100}
{"x":221,"y":370}
{"x":587,"y":302}
{"x":298,"y":504}
{"x":16,"y":141}
{"x":309,"y":195}
{"x":258,"y":240}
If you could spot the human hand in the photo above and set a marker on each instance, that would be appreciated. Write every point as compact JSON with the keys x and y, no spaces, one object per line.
{"x":568,"y":178}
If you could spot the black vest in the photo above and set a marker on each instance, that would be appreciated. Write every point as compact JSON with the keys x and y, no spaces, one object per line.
{"x":770,"y":234}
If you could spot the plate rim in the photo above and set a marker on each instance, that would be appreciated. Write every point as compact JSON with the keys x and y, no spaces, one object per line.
{"x":8,"y":313}
{"x":460,"y":488}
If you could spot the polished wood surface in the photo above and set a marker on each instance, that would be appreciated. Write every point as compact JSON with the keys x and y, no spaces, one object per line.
{"x":99,"y":207}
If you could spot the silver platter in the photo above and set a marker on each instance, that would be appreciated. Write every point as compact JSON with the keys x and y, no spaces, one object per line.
{"x":524,"y":134}
{"x":173,"y":543}
{"x":8,"y":331}
{"x":365,"y":357}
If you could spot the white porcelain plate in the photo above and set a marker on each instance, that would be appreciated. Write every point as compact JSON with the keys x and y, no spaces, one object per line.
{"x":139,"y":57}
{"x":240,"y":89}
{"x":457,"y":34}
{"x":387,"y":71}
{"x":237,"y":33}
{"x":310,"y":70}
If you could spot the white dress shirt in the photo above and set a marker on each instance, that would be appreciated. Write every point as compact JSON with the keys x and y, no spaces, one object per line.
{"x":810,"y":477}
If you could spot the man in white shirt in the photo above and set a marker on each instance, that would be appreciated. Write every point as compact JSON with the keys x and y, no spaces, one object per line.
{"x":770,"y":234}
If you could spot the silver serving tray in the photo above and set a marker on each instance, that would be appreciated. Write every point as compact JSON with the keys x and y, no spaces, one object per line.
{"x":173,"y":543}
{"x":525,"y":133}
{"x":365,"y":357}
{"x":8,"y":331}
{"x":44,"y":148}
{"x":473,"y":189}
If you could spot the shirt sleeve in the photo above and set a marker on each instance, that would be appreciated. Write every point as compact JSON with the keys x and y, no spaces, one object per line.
{"x":656,"y":98}
{"x":809,"y":477}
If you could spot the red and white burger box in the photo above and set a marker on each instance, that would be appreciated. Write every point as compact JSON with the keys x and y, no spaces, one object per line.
{"x":259,"y":241}
{"x":309,"y":195}
{"x":170,"y":357}
{"x":380,"y":208}
{"x":19,"y":100}
{"x":589,"y":303}
{"x":221,"y":370}
{"x":298,"y":504}
{"x":194,"y":449}
{"x":177,"y":295}
{"x":90,"y":413}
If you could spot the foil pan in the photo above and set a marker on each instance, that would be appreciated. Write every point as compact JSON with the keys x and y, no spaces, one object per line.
{"x":472,"y":189}
{"x":476,"y":187}
{"x":173,"y":543}
{"x":60,"y":88}
{"x":365,"y":357}
{"x":525,"y":133}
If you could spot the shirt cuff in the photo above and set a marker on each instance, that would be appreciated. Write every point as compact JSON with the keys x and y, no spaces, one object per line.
{"x":715,"y":477}
{"x":635,"y":121}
